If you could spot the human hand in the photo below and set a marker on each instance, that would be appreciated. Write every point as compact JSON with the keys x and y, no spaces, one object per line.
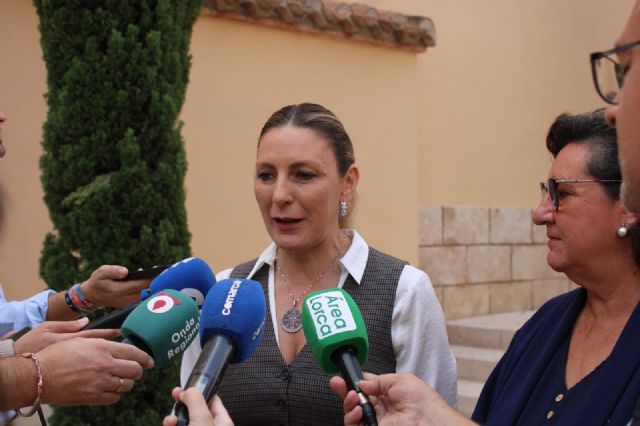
{"x":83,"y":371}
{"x":199,"y":413}
{"x":50,"y":332}
{"x":399,"y":399}
{"x":103,"y":288}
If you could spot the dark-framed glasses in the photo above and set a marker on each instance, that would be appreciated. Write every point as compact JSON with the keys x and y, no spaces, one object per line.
{"x":608,"y":74}
{"x":550,"y":187}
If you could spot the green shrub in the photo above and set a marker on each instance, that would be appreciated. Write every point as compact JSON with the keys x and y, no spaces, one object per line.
{"x":113,"y":161}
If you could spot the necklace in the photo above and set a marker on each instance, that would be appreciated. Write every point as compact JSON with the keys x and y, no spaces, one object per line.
{"x":292,"y":319}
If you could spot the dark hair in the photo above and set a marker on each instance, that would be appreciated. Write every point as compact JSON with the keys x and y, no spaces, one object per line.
{"x":591,"y":130}
{"x":324,"y":122}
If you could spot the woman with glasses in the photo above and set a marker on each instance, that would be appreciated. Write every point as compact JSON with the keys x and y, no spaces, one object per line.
{"x":577,"y":360}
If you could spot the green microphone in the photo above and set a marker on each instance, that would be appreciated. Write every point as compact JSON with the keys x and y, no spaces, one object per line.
{"x":337,"y":337}
{"x":163,"y":325}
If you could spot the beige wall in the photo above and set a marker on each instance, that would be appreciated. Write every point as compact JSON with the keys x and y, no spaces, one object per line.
{"x":501,"y":72}
{"x":462,"y":124}
{"x":241,"y":74}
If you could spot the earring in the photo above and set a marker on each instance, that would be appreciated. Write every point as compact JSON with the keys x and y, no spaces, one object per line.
{"x":623,"y":231}
{"x":344,"y":209}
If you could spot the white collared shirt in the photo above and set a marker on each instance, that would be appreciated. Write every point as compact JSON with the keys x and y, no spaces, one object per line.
{"x":418,"y":330}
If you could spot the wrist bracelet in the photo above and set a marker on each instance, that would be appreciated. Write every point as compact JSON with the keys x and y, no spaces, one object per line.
{"x":69,"y":302}
{"x":39,"y":386}
{"x":76,"y":300}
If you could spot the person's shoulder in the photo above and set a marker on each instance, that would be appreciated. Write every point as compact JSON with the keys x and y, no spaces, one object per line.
{"x":386,"y":257}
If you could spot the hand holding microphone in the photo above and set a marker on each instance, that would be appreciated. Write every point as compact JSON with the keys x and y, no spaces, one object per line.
{"x":232,"y":324}
{"x":163,"y":325}
{"x":337,"y":337}
{"x":192,"y":276}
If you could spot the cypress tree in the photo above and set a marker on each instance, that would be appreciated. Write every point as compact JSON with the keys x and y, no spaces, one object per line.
{"x":113,"y":161}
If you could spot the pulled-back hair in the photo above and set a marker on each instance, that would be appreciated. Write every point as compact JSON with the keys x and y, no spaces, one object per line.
{"x":324,"y":122}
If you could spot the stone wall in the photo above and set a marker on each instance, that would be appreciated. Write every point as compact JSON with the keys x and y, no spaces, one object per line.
{"x":486,"y":260}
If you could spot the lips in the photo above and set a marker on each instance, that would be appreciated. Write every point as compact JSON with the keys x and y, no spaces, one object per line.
{"x":286,"y":220}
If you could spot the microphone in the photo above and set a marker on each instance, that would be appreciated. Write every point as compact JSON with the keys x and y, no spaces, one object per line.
{"x":192,"y":276}
{"x":337,"y":337}
{"x":232,"y":318}
{"x":163,"y":326}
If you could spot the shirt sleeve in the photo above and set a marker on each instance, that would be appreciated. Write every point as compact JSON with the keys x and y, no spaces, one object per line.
{"x":419,"y":334}
{"x":193,"y":351}
{"x":24,"y":313}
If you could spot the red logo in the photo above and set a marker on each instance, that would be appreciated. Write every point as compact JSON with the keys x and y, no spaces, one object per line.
{"x":161,"y":303}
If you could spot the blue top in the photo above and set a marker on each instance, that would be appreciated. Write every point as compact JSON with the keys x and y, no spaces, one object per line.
{"x":25,"y":313}
{"x":527,"y":387}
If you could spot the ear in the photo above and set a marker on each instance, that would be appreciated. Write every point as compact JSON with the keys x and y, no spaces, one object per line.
{"x":350,"y":183}
{"x":629,"y":219}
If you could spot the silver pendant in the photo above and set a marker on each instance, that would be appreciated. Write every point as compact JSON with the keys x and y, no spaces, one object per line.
{"x":292,"y":320}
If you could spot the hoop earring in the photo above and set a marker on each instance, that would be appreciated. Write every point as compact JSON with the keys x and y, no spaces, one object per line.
{"x":623,"y":231}
{"x":344,"y":209}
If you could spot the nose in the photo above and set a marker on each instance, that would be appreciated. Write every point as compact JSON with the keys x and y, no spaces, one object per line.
{"x":281,"y":192}
{"x":544,"y":214}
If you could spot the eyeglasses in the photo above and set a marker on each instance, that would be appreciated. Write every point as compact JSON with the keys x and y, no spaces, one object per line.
{"x":608,"y":74}
{"x":550,"y":187}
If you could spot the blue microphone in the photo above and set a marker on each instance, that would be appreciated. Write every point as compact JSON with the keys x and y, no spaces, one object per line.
{"x":231,"y":326}
{"x":191,"y":276}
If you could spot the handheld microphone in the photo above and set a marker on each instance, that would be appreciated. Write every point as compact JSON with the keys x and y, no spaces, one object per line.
{"x":192,"y":276}
{"x":163,"y":326}
{"x":337,"y":337}
{"x":232,"y":318}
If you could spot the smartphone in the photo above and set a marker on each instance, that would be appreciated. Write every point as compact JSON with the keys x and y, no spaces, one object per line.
{"x":145,"y":273}
{"x":18,"y":334}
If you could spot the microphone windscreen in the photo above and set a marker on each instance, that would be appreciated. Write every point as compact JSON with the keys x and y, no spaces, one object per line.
{"x":331,"y":320}
{"x":237,"y":309}
{"x":163,"y":325}
{"x":191,"y":276}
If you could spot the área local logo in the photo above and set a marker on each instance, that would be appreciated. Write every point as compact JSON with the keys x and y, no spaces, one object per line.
{"x":231,"y":296}
{"x":331,"y":314}
{"x":161,"y":303}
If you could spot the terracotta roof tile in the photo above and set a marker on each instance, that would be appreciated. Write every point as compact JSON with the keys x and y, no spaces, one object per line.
{"x":354,"y":21}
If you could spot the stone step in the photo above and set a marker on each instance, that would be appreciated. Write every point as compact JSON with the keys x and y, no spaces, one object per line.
{"x":476,"y":363}
{"x":489,"y":331}
{"x":468,"y":393}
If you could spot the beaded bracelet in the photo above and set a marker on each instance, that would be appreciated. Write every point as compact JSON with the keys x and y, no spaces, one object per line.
{"x":39,"y":386}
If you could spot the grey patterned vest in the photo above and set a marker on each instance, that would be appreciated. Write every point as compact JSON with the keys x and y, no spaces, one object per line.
{"x":264,"y":390}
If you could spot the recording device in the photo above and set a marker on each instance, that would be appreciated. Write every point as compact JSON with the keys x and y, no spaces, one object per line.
{"x":232,"y":324}
{"x":18,"y":334}
{"x":337,"y":337}
{"x":192,"y":276}
{"x":145,"y":273}
{"x":163,"y":325}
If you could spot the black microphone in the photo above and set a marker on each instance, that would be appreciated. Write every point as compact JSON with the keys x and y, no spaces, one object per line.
{"x":113,"y":319}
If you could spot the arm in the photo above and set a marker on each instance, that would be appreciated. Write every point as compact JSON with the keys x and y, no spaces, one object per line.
{"x":79,"y":371}
{"x":419,"y":335}
{"x":103,"y":288}
{"x":15,"y":370}
{"x":50,"y":332}
{"x":399,"y":399}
